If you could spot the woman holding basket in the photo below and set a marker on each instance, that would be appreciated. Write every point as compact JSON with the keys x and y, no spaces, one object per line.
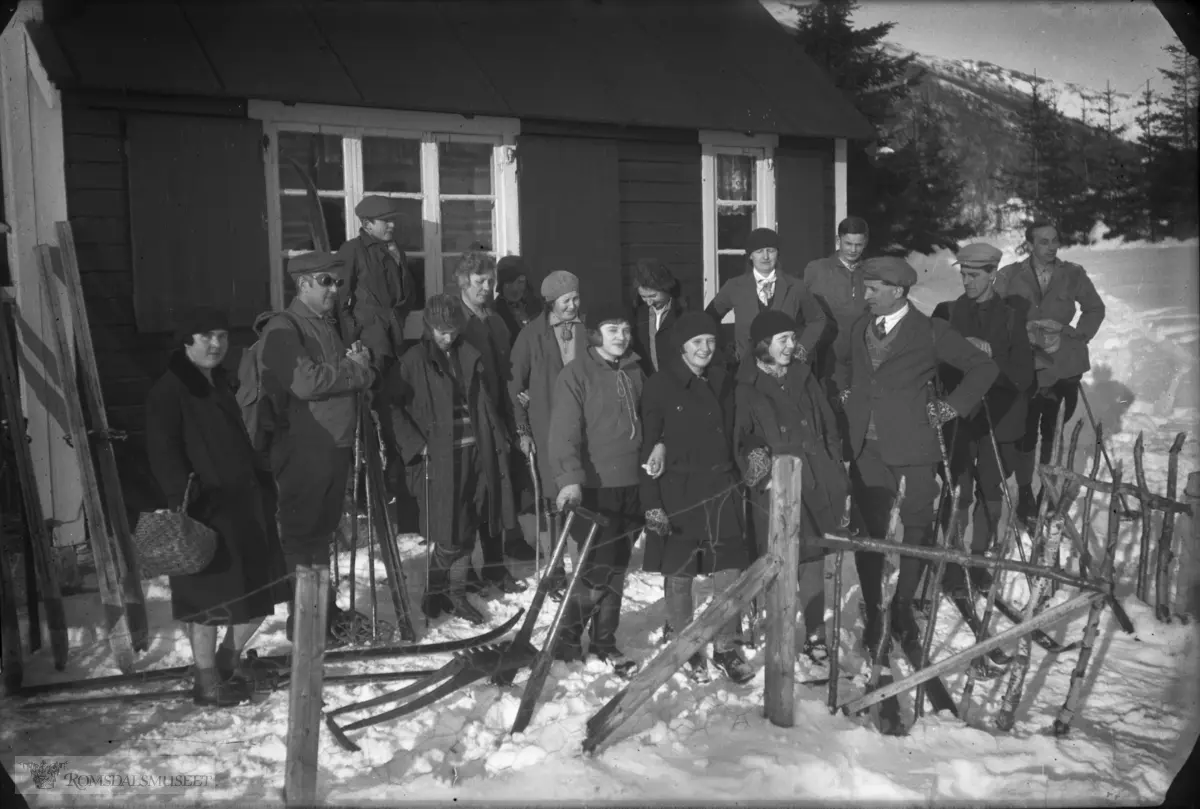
{"x":199,"y":452}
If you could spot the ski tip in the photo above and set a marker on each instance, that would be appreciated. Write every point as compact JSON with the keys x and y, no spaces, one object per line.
{"x":340,"y":737}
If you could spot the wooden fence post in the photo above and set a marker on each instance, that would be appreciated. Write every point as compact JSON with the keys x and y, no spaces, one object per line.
{"x":1166,"y":539}
{"x":1187,"y":580}
{"x":779,"y":688}
{"x":304,"y":699}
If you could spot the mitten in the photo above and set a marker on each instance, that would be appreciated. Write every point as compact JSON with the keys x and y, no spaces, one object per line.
{"x":939,"y":412}
{"x":656,"y":521}
{"x":800,"y":354}
{"x":843,"y":396}
{"x":758,"y":466}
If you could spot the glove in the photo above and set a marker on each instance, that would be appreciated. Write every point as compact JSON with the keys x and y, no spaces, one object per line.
{"x":843,"y":397}
{"x":982,"y":345}
{"x":939,"y":412}
{"x":656,"y":521}
{"x":571,"y":494}
{"x":758,"y":466}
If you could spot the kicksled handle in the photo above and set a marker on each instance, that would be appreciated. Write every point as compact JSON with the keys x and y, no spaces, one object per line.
{"x":589,"y":515}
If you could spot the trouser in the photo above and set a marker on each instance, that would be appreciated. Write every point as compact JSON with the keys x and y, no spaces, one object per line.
{"x":975,"y":469}
{"x":457,"y":540}
{"x":598,"y":594}
{"x":810,"y":581}
{"x":1041,"y":419}
{"x":874,"y":484}
{"x":677,"y":592}
{"x":311,"y":481}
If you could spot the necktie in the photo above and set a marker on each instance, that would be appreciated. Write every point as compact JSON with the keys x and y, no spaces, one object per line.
{"x":880,"y":329}
{"x":766,"y":291}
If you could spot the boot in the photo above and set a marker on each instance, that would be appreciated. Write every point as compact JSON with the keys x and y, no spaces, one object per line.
{"x":250,"y":673}
{"x":558,"y":583}
{"x":457,"y":596}
{"x":436,"y":600}
{"x":210,"y":691}
{"x":515,"y":547}
{"x":734,"y":665}
{"x":606,"y":615}
{"x":504,"y":580}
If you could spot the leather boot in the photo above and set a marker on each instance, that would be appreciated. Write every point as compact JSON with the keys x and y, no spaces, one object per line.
{"x":461,"y":606}
{"x":437,"y":598}
{"x":209,"y":690}
{"x":606,"y":615}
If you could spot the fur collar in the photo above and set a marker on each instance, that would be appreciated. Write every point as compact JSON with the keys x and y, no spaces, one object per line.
{"x":192,"y":379}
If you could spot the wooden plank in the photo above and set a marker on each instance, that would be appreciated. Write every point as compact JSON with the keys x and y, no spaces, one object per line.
{"x":95,"y":175}
{"x":93,"y":149}
{"x":304,"y":694}
{"x":676,"y":233}
{"x":42,"y":544}
{"x":674,"y":192}
{"x":687,"y":215}
{"x":117,"y":284}
{"x":109,"y":477}
{"x":108,"y":572}
{"x":803,"y":208}
{"x":684,"y":154}
{"x":107,"y":230}
{"x":695,"y":636}
{"x":635,"y":171}
{"x":1166,"y":544}
{"x":83,"y":121}
{"x":11,"y":648}
{"x":97,"y":202}
{"x":959,"y":659}
{"x":780,"y":673}
{"x":104,"y":258}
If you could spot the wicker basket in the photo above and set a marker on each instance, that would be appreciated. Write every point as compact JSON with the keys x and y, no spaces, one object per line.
{"x":170,"y":543}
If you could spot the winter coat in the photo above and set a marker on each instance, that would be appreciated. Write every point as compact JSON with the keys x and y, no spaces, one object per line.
{"x":517,"y":316}
{"x":1069,"y":286}
{"x":898,"y":392}
{"x":662,"y":340}
{"x":792,"y":416}
{"x":194,"y":427}
{"x":417,"y":395}
{"x":489,"y":336}
{"x":536,"y":362}
{"x":842,"y":296}
{"x":322,"y":382}
{"x":1003,"y":328}
{"x":698,"y":487}
{"x":740,"y":295}
{"x":595,"y":426}
{"x":379,"y":295}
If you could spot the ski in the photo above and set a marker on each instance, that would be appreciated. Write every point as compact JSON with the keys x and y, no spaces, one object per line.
{"x":284,"y":660}
{"x":966,"y":608}
{"x":935,"y":689}
{"x":1049,"y":644}
{"x":186,"y":693}
{"x":381,"y":525}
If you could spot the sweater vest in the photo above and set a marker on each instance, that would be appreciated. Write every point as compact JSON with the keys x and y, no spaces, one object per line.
{"x":878,"y":349}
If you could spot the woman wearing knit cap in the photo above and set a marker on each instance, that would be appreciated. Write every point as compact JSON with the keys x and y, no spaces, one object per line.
{"x":194,"y":428}
{"x":466,"y":482}
{"x":549,"y":342}
{"x":782,"y":410}
{"x":516,"y":302}
{"x":694,"y":509}
{"x":595,"y":441}
{"x":763,"y":287}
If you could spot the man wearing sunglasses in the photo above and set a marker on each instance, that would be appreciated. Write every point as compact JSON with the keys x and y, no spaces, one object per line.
{"x":304,"y":356}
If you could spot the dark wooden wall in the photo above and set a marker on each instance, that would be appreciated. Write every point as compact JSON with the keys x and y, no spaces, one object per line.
{"x":804,"y":199}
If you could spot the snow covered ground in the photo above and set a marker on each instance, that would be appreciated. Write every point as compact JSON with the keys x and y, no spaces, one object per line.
{"x":1138,"y":721}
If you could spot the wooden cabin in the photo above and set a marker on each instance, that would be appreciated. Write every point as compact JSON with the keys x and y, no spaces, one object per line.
{"x":195,"y":146}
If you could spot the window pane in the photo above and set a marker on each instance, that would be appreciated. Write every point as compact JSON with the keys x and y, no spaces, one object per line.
{"x":391,"y":164}
{"x":735,"y":177}
{"x":729,"y":266}
{"x":465,"y":168}
{"x":465,"y":223}
{"x":317,"y":156}
{"x":299,"y":228}
{"x":409,"y":233}
{"x":734,"y":223}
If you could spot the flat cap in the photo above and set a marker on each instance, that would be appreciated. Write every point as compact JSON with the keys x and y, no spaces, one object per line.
{"x":376,"y":207}
{"x":979,"y":254}
{"x":891,"y":270}
{"x":310,"y":263}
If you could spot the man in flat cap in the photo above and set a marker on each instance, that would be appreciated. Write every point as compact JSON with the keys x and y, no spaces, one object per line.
{"x":379,"y":287}
{"x":892,"y":417}
{"x":1049,"y":291}
{"x":319,"y":380}
{"x":990,"y":324}
{"x":763,"y":286}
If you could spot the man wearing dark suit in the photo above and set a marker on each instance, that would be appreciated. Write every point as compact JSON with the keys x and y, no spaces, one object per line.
{"x":892,"y":416}
{"x":657,"y":307}
{"x":763,"y":287}
{"x":995,"y":327}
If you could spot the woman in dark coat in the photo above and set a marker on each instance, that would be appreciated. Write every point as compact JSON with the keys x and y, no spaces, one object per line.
{"x":515,"y":302}
{"x":194,"y":427}
{"x":781,"y":410}
{"x":694,"y":508}
{"x":443,"y":426}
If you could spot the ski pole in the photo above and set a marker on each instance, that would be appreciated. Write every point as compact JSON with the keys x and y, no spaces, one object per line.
{"x":428,"y":538}
{"x":354,"y":513}
{"x":537,"y":509}
{"x":370,"y":538}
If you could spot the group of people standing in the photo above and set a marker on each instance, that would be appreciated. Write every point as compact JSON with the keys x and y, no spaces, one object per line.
{"x":640,"y":413}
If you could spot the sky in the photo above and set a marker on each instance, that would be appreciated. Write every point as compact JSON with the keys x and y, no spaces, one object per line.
{"x":1087,"y":43}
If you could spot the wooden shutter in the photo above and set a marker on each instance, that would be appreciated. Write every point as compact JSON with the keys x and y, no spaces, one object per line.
{"x":804,"y":206}
{"x":570,"y":212}
{"x":198,"y":217}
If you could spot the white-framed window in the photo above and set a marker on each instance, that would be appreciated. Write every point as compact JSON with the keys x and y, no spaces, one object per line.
{"x":738,"y":179}
{"x":454,"y":178}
